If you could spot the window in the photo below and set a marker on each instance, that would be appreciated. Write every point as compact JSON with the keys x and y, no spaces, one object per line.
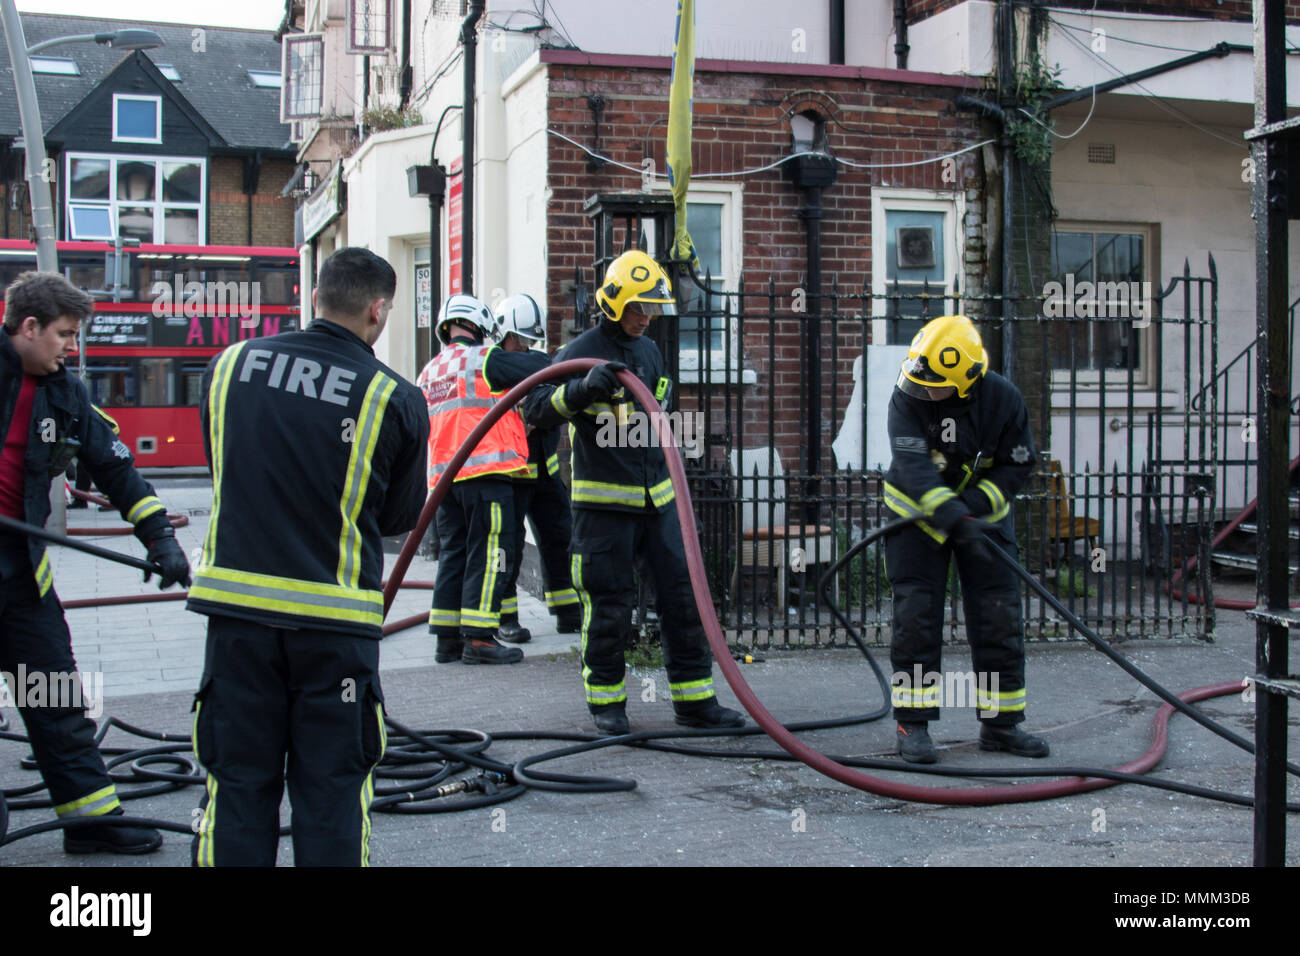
{"x":137,"y":119}
{"x":370,"y":26}
{"x":55,"y":66}
{"x":1100,"y":275}
{"x":302,"y":67}
{"x":264,"y":80}
{"x":713,"y":212}
{"x":153,"y":199}
{"x":913,"y":250}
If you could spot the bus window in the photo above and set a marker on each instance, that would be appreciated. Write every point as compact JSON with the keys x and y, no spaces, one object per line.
{"x":156,"y":386}
{"x":278,"y":286}
{"x":86,"y":275}
{"x":191,"y":383}
{"x":111,"y":386}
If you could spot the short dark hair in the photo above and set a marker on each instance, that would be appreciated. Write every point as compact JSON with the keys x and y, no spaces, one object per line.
{"x":46,"y":296}
{"x":351,"y":279}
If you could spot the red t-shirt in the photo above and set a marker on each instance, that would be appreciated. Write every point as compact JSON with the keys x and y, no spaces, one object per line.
{"x":14,"y":455}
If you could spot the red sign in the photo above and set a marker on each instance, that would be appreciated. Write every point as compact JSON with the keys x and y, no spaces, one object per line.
{"x":456,"y":181}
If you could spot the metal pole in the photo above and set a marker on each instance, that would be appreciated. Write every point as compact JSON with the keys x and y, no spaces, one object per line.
{"x":469,"y":38}
{"x":1268,"y":201}
{"x":29,"y":114}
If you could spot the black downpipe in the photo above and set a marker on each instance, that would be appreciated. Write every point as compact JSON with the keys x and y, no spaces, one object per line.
{"x":406,"y":80}
{"x":468,"y":37}
{"x":837,"y":31}
{"x":1007,"y":97}
{"x":900,"y":34}
{"x":812,"y":217}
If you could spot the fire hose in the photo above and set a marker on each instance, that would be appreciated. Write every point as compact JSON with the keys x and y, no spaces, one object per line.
{"x":497,"y":781}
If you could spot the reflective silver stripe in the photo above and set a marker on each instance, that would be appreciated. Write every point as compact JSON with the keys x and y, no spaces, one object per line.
{"x":607,"y":693}
{"x":208,"y":580}
{"x":898,"y":502}
{"x":92,"y":805}
{"x":453,"y":404}
{"x":488,"y":458}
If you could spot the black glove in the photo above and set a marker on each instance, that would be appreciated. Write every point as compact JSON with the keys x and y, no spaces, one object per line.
{"x":599,"y":386}
{"x":968,"y":535}
{"x":166,"y":554}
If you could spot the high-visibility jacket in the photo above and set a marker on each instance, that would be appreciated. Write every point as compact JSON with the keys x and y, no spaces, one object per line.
{"x":459,"y":395}
{"x":617,"y":463}
{"x":935,"y":445}
{"x":317,"y":452}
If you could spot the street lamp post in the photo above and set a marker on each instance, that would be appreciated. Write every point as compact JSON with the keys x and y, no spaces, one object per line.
{"x":38,"y":175}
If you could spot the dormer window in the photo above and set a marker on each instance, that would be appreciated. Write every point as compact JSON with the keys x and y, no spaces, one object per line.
{"x":137,"y":119}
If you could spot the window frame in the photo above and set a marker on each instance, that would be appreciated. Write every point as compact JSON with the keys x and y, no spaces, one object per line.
{"x":155,"y":99}
{"x":1090,"y":379}
{"x":884,"y":199}
{"x":158,"y":204}
{"x":289,"y":89}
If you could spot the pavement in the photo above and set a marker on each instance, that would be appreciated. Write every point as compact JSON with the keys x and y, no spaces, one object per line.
{"x":745,"y":811}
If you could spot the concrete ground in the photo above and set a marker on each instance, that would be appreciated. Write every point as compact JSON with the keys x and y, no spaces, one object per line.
{"x":702,"y":811}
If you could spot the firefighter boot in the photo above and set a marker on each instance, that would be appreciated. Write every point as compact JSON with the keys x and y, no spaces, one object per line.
{"x":450,"y":648}
{"x":111,"y":839}
{"x":1014,"y":740}
{"x":915,"y":745}
{"x":611,"y":719}
{"x":568,"y":620}
{"x":707,"y":713}
{"x":486,"y":649}
{"x":512,"y":632}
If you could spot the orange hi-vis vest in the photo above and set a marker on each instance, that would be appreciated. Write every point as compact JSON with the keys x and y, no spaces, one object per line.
{"x":458,"y":396}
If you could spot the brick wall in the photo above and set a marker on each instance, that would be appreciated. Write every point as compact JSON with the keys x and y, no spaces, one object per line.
{"x":742,"y":122}
{"x":228,"y":206}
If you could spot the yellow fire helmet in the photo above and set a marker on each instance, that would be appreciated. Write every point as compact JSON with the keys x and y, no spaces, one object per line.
{"x":945,"y":358}
{"x":635,"y":277}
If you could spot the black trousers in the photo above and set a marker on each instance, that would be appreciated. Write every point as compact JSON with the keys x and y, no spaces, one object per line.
{"x":476,"y":532}
{"x":36,"y":656}
{"x":605,"y":544}
{"x":306,"y":696}
{"x":544,"y":502}
{"x":917,"y":567}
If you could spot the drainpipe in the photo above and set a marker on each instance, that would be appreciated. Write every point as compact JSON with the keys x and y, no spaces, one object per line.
{"x":837,"y":31}
{"x":406,"y":80}
{"x":469,"y":38}
{"x":900,"y":34}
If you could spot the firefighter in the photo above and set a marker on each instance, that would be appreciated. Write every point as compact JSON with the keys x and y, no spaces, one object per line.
{"x":317,"y":452}
{"x":540,"y":496}
{"x":476,"y":522}
{"x":623,"y":504}
{"x":961,"y":450}
{"x":47,"y":420}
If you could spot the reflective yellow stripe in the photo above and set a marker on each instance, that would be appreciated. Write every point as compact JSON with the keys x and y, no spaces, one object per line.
{"x":207,"y":852}
{"x":1012,"y":700}
{"x":143,"y":508}
{"x":662,"y":493}
{"x":44,"y":576}
{"x":473,"y":617}
{"x":440,"y":617}
{"x":532,"y":470}
{"x":368,"y":788}
{"x":357,"y":478}
{"x":914,"y":696}
{"x":604,"y":492}
{"x":510,"y":605}
{"x":217,"y":392}
{"x":558,"y":403}
{"x":112,"y":422}
{"x":288,"y":596}
{"x":1000,"y":508}
{"x":561,"y":598}
{"x":900,"y":503}
{"x":553,"y":464}
{"x":661,"y":389}
{"x":692,"y":689}
{"x":584,"y":598}
{"x":485,"y":610}
{"x":936,"y":497}
{"x":92,"y":805}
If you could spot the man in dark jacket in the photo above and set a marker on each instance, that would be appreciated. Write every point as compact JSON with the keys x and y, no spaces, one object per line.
{"x":623,"y":504}
{"x":47,"y":422}
{"x":961,"y":450}
{"x":317,"y":452}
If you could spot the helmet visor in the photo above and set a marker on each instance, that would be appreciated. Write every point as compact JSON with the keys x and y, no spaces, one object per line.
{"x":926,"y":393}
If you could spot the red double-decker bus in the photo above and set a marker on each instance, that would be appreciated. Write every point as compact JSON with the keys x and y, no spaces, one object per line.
{"x":161,"y":313}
